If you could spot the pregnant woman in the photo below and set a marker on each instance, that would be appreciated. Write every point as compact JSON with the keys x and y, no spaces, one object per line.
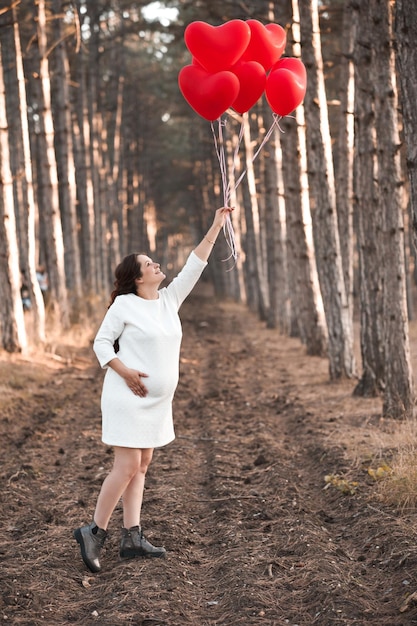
{"x":138,"y":343}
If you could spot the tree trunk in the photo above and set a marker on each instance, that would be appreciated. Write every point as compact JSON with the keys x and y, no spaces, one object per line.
{"x":275,"y":231}
{"x":306,"y":299}
{"x":345,"y":147}
{"x":83,"y":171}
{"x":63,"y":141}
{"x":321,"y":182}
{"x":12,"y":324}
{"x":398,"y":391}
{"x":48,"y":182}
{"x":253,"y":224}
{"x":406,"y":32}
{"x":20,"y":162}
{"x":92,"y":71}
{"x":368,"y":218}
{"x":236,"y":284}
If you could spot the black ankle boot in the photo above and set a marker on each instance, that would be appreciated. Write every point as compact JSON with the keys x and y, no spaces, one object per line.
{"x":133,"y":544}
{"x":91,"y":539}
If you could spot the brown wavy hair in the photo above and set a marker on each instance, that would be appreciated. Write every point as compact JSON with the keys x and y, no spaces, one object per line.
{"x":126,"y":273}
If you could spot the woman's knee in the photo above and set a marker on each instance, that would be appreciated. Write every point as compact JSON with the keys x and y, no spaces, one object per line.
{"x":132,"y":461}
{"x":146,"y":458}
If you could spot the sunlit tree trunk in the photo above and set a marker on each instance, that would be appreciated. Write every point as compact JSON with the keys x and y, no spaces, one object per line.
{"x":10,"y":59}
{"x":398,"y":391}
{"x":12,"y":324}
{"x":63,"y":141}
{"x":94,"y":145}
{"x":253,"y":224}
{"x":134,"y":205}
{"x":368,"y":215}
{"x":321,"y":182}
{"x":275,"y":234}
{"x":306,"y":299}
{"x":113,"y":168}
{"x":20,"y":163}
{"x":406,"y":32}
{"x":48,"y":181}
{"x":83,"y":170}
{"x":344,"y":149}
{"x":236,"y":287}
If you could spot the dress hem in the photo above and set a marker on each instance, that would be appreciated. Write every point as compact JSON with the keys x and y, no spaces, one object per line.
{"x":138,"y":447}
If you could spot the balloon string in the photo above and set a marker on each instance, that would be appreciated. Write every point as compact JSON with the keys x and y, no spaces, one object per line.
{"x":275,"y":122}
{"x":228,"y":230}
{"x":235,"y":155}
{"x":230,"y":237}
{"x":220,"y":152}
{"x":228,"y":227}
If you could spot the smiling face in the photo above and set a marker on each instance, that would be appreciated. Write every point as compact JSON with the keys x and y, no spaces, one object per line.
{"x":151,"y":272}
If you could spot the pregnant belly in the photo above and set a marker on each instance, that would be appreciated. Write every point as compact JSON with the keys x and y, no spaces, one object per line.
{"x":159,"y":384}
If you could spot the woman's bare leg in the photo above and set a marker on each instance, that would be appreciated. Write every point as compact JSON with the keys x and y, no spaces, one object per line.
{"x":133,"y":494}
{"x":130,"y":465}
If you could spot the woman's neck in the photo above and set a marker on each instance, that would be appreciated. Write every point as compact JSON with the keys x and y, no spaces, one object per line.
{"x":147,"y":293}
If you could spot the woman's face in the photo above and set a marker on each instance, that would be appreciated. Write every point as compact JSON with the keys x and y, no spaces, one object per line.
{"x":151,"y":272}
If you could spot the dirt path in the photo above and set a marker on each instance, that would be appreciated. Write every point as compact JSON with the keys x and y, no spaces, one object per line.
{"x":253,"y":537}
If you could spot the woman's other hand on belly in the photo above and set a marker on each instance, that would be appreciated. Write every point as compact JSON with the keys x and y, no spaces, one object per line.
{"x":132,"y":377}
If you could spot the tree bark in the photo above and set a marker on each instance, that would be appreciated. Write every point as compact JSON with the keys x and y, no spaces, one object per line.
{"x":12,"y":324}
{"x":83,"y":170}
{"x":322,"y":191}
{"x":254,"y":223}
{"x":306,"y":300}
{"x":63,"y":141}
{"x":95,"y":127}
{"x":48,"y":182}
{"x":368,"y":215}
{"x":20,"y":163}
{"x":344,"y":150}
{"x":406,"y":33}
{"x":398,"y":391}
{"x":279,"y":315}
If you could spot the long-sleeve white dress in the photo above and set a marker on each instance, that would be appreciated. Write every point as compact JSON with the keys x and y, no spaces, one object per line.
{"x":149,"y":334}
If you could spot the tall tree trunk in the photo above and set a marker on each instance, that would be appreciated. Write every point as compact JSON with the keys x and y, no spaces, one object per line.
{"x":398,"y":391}
{"x":12,"y":324}
{"x":406,"y":32}
{"x":95,"y":126}
{"x":48,"y":182}
{"x":20,"y":162}
{"x":345,"y":147}
{"x":275,"y":228}
{"x":134,"y":206}
{"x":368,"y":214}
{"x":306,"y":299}
{"x":321,"y":181}
{"x":113,"y":167}
{"x":63,"y":141}
{"x":83,"y":171}
{"x":254,"y":224}
{"x":236,"y":287}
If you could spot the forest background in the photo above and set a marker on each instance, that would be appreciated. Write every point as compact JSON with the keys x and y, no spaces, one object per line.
{"x":289,"y":495}
{"x":101,"y":155}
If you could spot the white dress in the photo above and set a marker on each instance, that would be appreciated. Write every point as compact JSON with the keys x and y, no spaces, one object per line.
{"x":149,"y":333}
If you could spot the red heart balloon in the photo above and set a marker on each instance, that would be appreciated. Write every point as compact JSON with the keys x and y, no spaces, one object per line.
{"x":252,"y":78}
{"x":284,"y":91}
{"x":294,"y":65}
{"x":266,"y":45}
{"x":217,"y":48}
{"x":210,"y":95}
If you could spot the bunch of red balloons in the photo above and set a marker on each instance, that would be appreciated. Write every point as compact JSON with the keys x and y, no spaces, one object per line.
{"x":235,"y":63}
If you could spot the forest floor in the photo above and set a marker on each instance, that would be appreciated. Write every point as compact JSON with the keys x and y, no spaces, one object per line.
{"x":254,"y":534}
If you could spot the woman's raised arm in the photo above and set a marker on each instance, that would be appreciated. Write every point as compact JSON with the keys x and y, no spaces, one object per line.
{"x":205,"y":247}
